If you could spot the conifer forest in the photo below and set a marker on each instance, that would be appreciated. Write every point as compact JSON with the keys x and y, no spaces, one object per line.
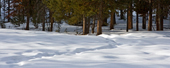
{"x":86,"y":13}
{"x":85,"y":34}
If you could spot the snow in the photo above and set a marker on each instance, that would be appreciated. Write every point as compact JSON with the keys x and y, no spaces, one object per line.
{"x":113,"y":49}
{"x":37,"y":49}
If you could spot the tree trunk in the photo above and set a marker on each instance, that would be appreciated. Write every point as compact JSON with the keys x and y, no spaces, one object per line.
{"x":104,"y":22}
{"x":52,"y":21}
{"x":121,"y":14}
{"x":4,"y":10}
{"x":43,"y":25}
{"x":88,"y":25}
{"x":127,"y":25}
{"x":84,"y":25}
{"x":8,"y":9}
{"x":20,"y":19}
{"x":130,"y":25}
{"x":158,"y":18}
{"x":160,"y":15}
{"x":165,"y":10}
{"x":150,"y":16}
{"x":157,"y":22}
{"x":100,"y":20}
{"x":93,"y":26}
{"x":99,"y":27}
{"x":0,"y":12}
{"x":137,"y":22}
{"x":23,"y":15}
{"x":161,"y":19}
{"x":144,"y":21}
{"x":28,"y":15}
{"x":113,"y":20}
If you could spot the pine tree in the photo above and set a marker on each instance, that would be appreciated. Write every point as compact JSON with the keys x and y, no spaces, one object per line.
{"x":130,"y":21}
{"x":44,"y":19}
{"x":113,"y":20}
{"x":137,"y":22}
{"x":121,"y":14}
{"x":144,"y":21}
{"x":9,"y":9}
{"x":84,"y":25}
{"x":0,"y":11}
{"x":141,"y":7}
{"x":78,"y":8}
{"x":4,"y":10}
{"x":51,"y":20}
{"x":150,"y":16}
{"x":94,"y":23}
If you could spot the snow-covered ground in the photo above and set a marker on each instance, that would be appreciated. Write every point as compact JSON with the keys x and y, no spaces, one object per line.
{"x":36,"y":49}
{"x":113,"y":49}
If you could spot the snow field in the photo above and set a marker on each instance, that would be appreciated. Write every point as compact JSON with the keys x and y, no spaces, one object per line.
{"x":36,"y":49}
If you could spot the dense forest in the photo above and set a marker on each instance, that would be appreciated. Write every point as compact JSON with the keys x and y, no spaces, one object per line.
{"x":86,"y":13}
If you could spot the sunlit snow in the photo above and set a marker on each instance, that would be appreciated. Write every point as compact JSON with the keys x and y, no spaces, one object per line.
{"x":36,"y":49}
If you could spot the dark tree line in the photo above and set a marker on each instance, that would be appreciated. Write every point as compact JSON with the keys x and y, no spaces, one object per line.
{"x":82,"y":12}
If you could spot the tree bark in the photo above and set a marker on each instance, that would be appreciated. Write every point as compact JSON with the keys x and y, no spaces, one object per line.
{"x":158,"y":18}
{"x":88,"y":25}
{"x":28,"y":15}
{"x":84,"y":25}
{"x":52,"y":21}
{"x":100,"y":20}
{"x":23,"y":15}
{"x":137,"y":22}
{"x":150,"y":16}
{"x":4,"y":10}
{"x":113,"y":20}
{"x":161,"y":19}
{"x":43,"y":25}
{"x":104,"y":22}
{"x":165,"y":10}
{"x":127,"y":25}
{"x":8,"y":9}
{"x":144,"y":21}
{"x":121,"y":14}
{"x":99,"y":27}
{"x":157,"y":22}
{"x":93,"y":26}
{"x":130,"y":25}
{"x":0,"y":12}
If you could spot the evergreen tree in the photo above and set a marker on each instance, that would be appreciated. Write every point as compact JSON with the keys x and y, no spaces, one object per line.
{"x":150,"y":16}
{"x":0,"y":12}
{"x":129,"y":13}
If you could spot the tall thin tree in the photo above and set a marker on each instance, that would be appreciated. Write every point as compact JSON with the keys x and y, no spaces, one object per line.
{"x":100,"y":19}
{"x":144,"y":21}
{"x":94,"y":23}
{"x":8,"y":9}
{"x":0,"y":12}
{"x":113,"y":20}
{"x":150,"y":16}
{"x":28,"y":14}
{"x":130,"y":21}
{"x":4,"y":10}
{"x":137,"y":22}
{"x":84,"y":25}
